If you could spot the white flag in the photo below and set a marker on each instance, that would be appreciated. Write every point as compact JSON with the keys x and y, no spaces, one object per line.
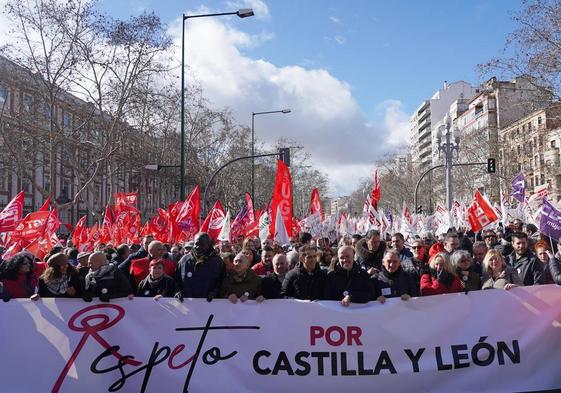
{"x":281,"y":235}
{"x":264,"y":225}
{"x":225,"y":231}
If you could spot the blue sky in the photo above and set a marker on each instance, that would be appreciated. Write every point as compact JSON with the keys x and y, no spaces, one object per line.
{"x":352,"y":71}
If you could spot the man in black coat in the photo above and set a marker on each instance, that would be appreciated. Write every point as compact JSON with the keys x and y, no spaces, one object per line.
{"x":347,"y":282}
{"x":200,"y":273}
{"x":105,"y":280}
{"x":530,"y":269}
{"x":370,"y":251}
{"x":306,"y":281}
{"x":271,"y":285}
{"x":393,"y":281}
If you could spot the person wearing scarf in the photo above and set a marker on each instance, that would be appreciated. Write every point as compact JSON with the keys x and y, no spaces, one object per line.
{"x":439,"y":276}
{"x":60,"y":279}
{"x":156,"y":284}
{"x":242,"y":282}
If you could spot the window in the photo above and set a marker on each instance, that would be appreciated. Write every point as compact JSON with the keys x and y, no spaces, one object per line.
{"x":25,"y":185}
{"x":3,"y":96}
{"x":552,"y":144}
{"x":2,"y":179}
{"x":65,"y":188}
{"x":518,"y":149}
{"x":27,"y":102}
{"x":67,"y":121}
{"x":47,"y":183}
{"x":46,"y":111}
{"x":539,"y":120}
{"x":478,"y":109}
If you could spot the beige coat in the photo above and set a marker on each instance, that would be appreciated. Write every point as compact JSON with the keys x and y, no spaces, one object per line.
{"x":508,"y":276}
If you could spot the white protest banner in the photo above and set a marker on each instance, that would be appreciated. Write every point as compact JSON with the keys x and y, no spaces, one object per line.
{"x":491,"y":341}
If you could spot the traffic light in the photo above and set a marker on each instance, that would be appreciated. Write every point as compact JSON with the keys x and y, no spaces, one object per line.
{"x":420,"y":209}
{"x":284,"y":155}
{"x":491,"y":165}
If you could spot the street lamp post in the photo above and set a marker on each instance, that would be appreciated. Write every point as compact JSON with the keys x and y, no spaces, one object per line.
{"x":448,"y":148}
{"x":253,"y":114}
{"x":242,"y":13}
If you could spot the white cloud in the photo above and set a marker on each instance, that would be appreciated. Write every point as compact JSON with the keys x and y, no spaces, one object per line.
{"x":259,"y":7}
{"x":334,"y":19}
{"x":340,"y":39}
{"x":326,"y":120}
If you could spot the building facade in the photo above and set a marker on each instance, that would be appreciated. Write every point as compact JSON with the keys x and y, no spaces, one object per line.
{"x":43,"y":165}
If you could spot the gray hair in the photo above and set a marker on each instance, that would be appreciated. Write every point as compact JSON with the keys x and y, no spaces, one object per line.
{"x":293,"y":257}
{"x":393,"y":252}
{"x":458,"y":256}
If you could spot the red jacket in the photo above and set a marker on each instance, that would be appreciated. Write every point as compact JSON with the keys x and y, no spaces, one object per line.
{"x":20,"y":288}
{"x":261,"y":269}
{"x":431,"y":286}
{"x":140,"y":268}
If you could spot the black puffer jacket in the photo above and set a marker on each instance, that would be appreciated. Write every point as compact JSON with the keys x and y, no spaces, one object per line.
{"x":395,"y":284}
{"x":366,"y":258}
{"x":300,"y":284}
{"x":107,"y":282}
{"x":355,"y":281}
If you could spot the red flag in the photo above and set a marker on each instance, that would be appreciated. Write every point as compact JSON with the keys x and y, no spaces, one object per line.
{"x":406,"y":214}
{"x":31,"y":227}
{"x":250,"y":210}
{"x":107,"y":225}
{"x":376,"y":194}
{"x":480,"y":213}
{"x":131,"y":226}
{"x":214,"y":221}
{"x":160,"y":226}
{"x":12,"y":213}
{"x":53,"y":223}
{"x":282,"y":197}
{"x":315,"y":203}
{"x":79,"y":229}
{"x":252,"y":229}
{"x":46,"y":205}
{"x":188,"y":217}
{"x":42,"y":245}
{"x":125,"y":201}
{"x":94,"y":235}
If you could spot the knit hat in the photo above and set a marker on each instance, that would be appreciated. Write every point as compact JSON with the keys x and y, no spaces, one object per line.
{"x":436,"y":248}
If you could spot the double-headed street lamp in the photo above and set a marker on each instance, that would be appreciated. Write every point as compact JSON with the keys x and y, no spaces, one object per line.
{"x":242,"y":13}
{"x":448,"y":148}
{"x":253,"y":114}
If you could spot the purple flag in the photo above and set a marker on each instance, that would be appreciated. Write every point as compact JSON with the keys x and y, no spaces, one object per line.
{"x":518,"y":188}
{"x":550,"y":222}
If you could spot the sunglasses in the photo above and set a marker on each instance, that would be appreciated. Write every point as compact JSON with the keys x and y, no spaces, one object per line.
{"x":417,"y":247}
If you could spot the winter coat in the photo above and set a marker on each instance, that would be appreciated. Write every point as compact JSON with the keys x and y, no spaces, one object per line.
{"x":300,"y":284}
{"x":366,"y":258}
{"x":165,"y":286}
{"x":508,"y":276}
{"x":395,"y":284}
{"x":472,"y":281}
{"x":430,"y":285}
{"x":555,"y":269}
{"x":200,"y":278}
{"x":271,"y":286}
{"x":529,"y":268}
{"x":251,"y":284}
{"x":355,"y":282}
{"x":107,"y":282}
{"x":413,"y":267}
{"x":21,"y":287}
{"x":74,"y":280}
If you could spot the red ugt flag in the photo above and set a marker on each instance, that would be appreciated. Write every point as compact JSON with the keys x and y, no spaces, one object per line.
{"x":215,"y":221}
{"x":480,"y":213}
{"x":282,"y":197}
{"x":12,"y":213}
{"x":315,"y":203}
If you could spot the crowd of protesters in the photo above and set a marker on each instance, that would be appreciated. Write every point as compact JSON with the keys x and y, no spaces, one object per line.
{"x":357,"y":269}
